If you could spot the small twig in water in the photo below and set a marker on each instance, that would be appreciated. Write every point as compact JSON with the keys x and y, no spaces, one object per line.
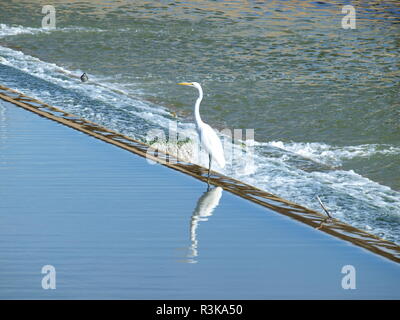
{"x":323,"y":207}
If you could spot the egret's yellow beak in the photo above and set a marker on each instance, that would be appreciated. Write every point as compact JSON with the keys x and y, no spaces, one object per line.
{"x":185,"y":83}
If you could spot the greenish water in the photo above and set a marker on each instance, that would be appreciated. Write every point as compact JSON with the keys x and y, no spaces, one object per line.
{"x":323,"y":101}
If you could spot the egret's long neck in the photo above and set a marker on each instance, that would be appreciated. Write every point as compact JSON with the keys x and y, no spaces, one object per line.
{"x":197,"y":106}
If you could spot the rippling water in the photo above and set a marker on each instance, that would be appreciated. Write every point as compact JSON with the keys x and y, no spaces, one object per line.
{"x":324,"y":101}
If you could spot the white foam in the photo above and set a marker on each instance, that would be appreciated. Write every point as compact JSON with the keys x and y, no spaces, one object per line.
{"x":348,"y":195}
{"x":333,"y":155}
{"x":6,"y":30}
{"x":70,"y":80}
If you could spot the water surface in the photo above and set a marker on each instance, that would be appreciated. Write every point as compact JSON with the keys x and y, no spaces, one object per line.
{"x":324,"y":101}
{"x":116,"y":227}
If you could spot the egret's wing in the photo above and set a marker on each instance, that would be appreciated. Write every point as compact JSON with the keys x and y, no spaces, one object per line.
{"x":213,"y":145}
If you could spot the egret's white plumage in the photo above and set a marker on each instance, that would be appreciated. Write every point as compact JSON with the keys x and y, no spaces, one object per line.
{"x":208,"y":138}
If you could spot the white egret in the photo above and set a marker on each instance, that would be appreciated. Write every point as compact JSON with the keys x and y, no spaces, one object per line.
{"x":208,"y":138}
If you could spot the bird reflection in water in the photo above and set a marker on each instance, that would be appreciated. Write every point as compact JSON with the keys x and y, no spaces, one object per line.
{"x":204,"y":209}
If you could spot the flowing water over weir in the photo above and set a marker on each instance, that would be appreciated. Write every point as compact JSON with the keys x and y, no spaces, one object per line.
{"x":312,"y":218}
{"x":323,"y":101}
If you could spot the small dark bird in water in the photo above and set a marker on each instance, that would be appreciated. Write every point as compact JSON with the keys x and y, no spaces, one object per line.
{"x":84,"y":77}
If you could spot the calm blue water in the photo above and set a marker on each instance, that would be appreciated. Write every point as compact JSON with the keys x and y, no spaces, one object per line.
{"x":323,"y":101}
{"x":115,"y":227}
